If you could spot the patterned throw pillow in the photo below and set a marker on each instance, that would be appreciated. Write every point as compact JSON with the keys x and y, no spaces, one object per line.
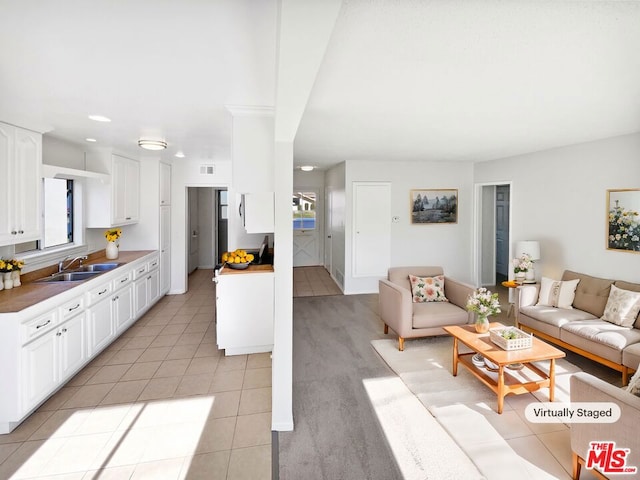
{"x":622,"y":307}
{"x":554,"y":293}
{"x":427,"y":289}
{"x":634,"y":384}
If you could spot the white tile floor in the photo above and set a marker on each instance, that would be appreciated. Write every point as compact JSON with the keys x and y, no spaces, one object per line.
{"x":160,"y":403}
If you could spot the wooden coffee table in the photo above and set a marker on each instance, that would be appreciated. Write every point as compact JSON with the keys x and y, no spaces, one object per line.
{"x":505,"y":381}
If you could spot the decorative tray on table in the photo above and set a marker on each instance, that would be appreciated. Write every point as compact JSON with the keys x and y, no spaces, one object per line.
{"x":510,"y":338}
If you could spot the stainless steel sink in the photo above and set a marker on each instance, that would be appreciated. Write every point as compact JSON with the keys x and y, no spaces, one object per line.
{"x":99,"y":267}
{"x":69,"y":277}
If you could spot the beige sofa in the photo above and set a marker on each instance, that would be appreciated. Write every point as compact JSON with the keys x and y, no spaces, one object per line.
{"x":624,"y":432}
{"x":580,"y":329}
{"x":412,"y":320}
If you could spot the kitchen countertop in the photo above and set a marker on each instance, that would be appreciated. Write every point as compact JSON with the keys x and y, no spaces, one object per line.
{"x":30,"y":293}
{"x":251,"y":269}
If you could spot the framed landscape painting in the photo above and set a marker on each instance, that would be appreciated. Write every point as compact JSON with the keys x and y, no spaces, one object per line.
{"x":434,"y":206}
{"x":623,"y":221}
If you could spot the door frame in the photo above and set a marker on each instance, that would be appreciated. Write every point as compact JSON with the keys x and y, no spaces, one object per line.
{"x":320,"y":224}
{"x":477,"y":228}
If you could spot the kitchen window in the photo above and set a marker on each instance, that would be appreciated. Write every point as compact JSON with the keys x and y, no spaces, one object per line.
{"x":58,"y":224}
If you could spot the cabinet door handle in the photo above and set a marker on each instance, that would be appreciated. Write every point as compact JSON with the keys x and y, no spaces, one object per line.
{"x":124,"y":280}
{"x":149,"y":277}
{"x":13,"y":232}
{"x":43,"y":324}
{"x":20,"y":232}
{"x":114,"y":299}
{"x":58,"y":334}
{"x":141,"y":270}
{"x":73,"y":308}
{"x":64,"y":330}
{"x":128,"y":218}
{"x":103,"y":291}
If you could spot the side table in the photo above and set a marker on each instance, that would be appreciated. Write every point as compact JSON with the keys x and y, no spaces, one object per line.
{"x":510,"y":284}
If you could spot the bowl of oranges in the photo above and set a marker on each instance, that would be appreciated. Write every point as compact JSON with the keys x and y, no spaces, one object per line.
{"x":238,"y":259}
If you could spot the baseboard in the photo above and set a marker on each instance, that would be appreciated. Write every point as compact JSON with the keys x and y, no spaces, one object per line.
{"x":282,"y":426}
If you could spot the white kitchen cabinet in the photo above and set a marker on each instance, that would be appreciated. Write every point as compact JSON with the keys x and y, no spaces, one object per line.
{"x":122,"y":308}
{"x":118,"y":202}
{"x":20,"y":168}
{"x":244,"y":326}
{"x":257,"y":210}
{"x":165,"y":184}
{"x":100,"y":326}
{"x":146,"y":286}
{"x":51,"y":358}
{"x":42,"y":346}
{"x":165,"y":249}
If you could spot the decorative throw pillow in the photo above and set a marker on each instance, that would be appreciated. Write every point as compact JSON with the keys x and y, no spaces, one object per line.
{"x":634,"y":384}
{"x":622,"y":307}
{"x":554,"y":293}
{"x":427,"y":289}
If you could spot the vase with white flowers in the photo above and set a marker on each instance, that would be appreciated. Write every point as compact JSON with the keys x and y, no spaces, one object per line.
{"x":484,"y":304}
{"x":522,"y":266}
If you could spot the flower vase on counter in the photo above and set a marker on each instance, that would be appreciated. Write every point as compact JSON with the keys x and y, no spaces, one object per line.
{"x":7,"y":280}
{"x":112,"y":237}
{"x":111,"y":251}
{"x":15,"y":276}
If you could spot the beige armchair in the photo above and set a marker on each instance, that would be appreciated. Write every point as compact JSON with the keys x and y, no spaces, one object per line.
{"x":412,"y":320}
{"x":624,"y":432}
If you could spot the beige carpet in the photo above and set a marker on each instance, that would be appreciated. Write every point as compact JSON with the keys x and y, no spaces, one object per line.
{"x":425,"y":368}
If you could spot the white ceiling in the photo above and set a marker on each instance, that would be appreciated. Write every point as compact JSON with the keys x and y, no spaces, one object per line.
{"x":401,"y":79}
{"x":161,"y":69}
{"x":472,"y":80}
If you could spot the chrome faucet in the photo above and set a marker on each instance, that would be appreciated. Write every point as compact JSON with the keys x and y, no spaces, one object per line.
{"x":62,"y":267}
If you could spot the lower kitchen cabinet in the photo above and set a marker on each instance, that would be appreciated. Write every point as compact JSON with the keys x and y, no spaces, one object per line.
{"x":43,"y":346}
{"x":100,"y":329}
{"x":244,"y":312}
{"x":53,"y":358}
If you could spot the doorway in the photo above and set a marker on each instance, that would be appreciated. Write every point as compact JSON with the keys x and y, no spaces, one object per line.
{"x":493,"y":233}
{"x":206,"y":226}
{"x":307,"y":228}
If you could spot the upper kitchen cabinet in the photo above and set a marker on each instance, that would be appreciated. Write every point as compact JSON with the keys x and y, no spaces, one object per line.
{"x":21,"y":167}
{"x":116,"y":203}
{"x":252,"y":149}
{"x":165,"y":184}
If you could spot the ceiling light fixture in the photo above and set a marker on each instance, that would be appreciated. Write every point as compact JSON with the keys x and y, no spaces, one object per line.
{"x":92,"y":140}
{"x":99,"y":118}
{"x":306,"y":168}
{"x":180,"y":155}
{"x":152,"y":144}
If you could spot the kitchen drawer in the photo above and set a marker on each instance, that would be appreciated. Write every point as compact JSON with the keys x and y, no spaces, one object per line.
{"x":71,"y":308}
{"x":123,"y":280}
{"x":140,"y":271}
{"x":98,"y":293}
{"x":153,"y":264}
{"x":37,"y":326}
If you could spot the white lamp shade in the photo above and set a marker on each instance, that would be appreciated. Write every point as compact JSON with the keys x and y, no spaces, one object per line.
{"x":531,"y":247}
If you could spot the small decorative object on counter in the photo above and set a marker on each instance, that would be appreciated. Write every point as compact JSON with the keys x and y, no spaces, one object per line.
{"x":511,"y":338}
{"x":112,"y":236}
{"x":15,"y":276}
{"x":484,"y":304}
{"x":238,"y":259}
{"x":8,"y":269}
{"x":522,"y":266}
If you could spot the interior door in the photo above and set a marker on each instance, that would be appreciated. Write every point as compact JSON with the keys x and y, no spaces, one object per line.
{"x":194,"y":240}
{"x":372,"y":229}
{"x":328,"y":230}
{"x":306,"y":229}
{"x":502,"y":230}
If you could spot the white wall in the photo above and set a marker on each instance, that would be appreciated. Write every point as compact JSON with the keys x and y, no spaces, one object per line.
{"x":186,"y":173}
{"x":559,"y":198}
{"x":62,"y":153}
{"x":446,"y":245}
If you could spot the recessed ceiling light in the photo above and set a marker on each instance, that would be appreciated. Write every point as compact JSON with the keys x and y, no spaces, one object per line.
{"x":99,"y":118}
{"x":306,"y":168}
{"x":91,"y":140}
{"x":152,"y":144}
{"x":180,"y":155}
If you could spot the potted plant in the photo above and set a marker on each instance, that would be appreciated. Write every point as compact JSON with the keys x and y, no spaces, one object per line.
{"x":484,"y":304}
{"x":521,"y":266}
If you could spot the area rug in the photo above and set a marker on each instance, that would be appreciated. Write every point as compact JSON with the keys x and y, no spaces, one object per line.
{"x":425,"y":367}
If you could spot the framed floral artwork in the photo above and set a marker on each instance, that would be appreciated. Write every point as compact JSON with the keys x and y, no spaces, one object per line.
{"x":434,"y":206}
{"x":623,"y":220}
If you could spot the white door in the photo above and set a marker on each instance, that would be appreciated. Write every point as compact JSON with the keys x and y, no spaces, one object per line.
{"x":502,"y":230}
{"x":72,"y":345}
{"x":328,"y":230}
{"x":371,"y":229}
{"x":165,"y":249}
{"x":306,"y":229}
{"x":194,"y":240}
